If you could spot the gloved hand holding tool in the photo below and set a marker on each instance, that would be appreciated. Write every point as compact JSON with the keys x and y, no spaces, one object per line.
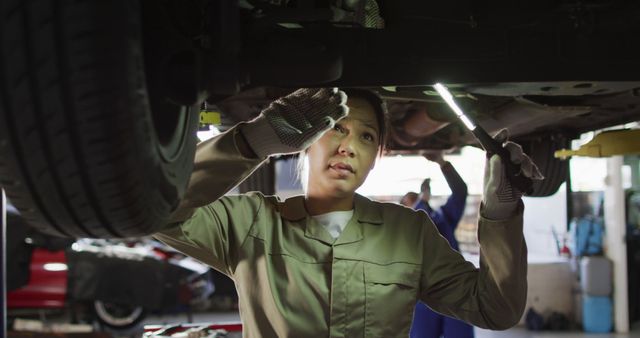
{"x":507,"y":176}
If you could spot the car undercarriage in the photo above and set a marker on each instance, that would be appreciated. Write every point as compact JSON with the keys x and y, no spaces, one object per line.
{"x":100,"y":100}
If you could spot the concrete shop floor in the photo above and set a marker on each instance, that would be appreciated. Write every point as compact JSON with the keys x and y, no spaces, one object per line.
{"x":233,"y":316}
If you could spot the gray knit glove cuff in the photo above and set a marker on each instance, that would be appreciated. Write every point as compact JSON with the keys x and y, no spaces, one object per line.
{"x":500,"y":198}
{"x":292,"y":123}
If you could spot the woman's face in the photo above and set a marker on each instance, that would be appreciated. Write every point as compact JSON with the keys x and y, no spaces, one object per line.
{"x":341,"y":159}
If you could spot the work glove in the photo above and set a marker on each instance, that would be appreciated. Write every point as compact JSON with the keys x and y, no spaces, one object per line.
{"x":501,"y":198}
{"x":292,"y":123}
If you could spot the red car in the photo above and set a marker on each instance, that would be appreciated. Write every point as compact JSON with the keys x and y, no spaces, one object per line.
{"x":99,"y":279}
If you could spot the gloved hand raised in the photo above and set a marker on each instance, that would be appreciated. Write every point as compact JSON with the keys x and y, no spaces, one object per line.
{"x":292,"y":123}
{"x":500,"y":198}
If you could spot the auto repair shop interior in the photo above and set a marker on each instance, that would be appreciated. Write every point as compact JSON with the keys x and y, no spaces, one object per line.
{"x":102,"y":104}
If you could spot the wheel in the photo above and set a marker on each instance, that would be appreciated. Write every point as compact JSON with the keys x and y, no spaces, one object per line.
{"x":86,"y":150}
{"x":118,"y":316}
{"x":541,"y":150}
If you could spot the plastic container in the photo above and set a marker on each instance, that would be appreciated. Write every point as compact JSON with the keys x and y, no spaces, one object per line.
{"x":595,"y":276}
{"x":597,"y":314}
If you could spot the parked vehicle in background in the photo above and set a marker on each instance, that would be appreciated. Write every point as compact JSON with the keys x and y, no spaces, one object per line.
{"x":114,"y":282}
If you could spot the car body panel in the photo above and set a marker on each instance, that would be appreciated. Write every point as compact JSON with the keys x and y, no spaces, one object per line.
{"x":47,"y":288}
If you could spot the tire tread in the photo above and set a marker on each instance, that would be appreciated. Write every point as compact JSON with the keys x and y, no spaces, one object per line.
{"x":73,"y":162}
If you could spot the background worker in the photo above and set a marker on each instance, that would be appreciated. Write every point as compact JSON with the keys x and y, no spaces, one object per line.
{"x":426,"y":322}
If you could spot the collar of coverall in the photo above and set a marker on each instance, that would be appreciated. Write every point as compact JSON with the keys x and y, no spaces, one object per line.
{"x":365,"y":210}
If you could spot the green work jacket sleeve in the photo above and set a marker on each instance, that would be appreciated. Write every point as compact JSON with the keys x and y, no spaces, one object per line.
{"x":206,"y":226}
{"x":492,"y":296}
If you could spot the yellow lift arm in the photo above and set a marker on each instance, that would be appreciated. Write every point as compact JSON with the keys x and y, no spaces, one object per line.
{"x":607,"y":143}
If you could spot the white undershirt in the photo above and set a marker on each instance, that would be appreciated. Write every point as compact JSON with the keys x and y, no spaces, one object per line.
{"x":334,"y":222}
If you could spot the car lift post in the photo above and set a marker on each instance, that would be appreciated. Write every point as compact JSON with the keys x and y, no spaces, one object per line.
{"x":3,"y":264}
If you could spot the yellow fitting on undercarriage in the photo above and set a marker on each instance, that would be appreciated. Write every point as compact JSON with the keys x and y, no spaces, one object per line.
{"x":208,"y":117}
{"x":607,"y":143}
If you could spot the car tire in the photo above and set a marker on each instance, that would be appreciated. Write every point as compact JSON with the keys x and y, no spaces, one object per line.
{"x":541,"y":149}
{"x":82,"y":152}
{"x":118,"y":316}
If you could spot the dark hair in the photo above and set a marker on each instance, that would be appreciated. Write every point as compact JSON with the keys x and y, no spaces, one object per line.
{"x":379,"y":108}
{"x":410,"y":195}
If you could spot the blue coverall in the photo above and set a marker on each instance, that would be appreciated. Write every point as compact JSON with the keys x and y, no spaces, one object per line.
{"x":426,"y":322}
